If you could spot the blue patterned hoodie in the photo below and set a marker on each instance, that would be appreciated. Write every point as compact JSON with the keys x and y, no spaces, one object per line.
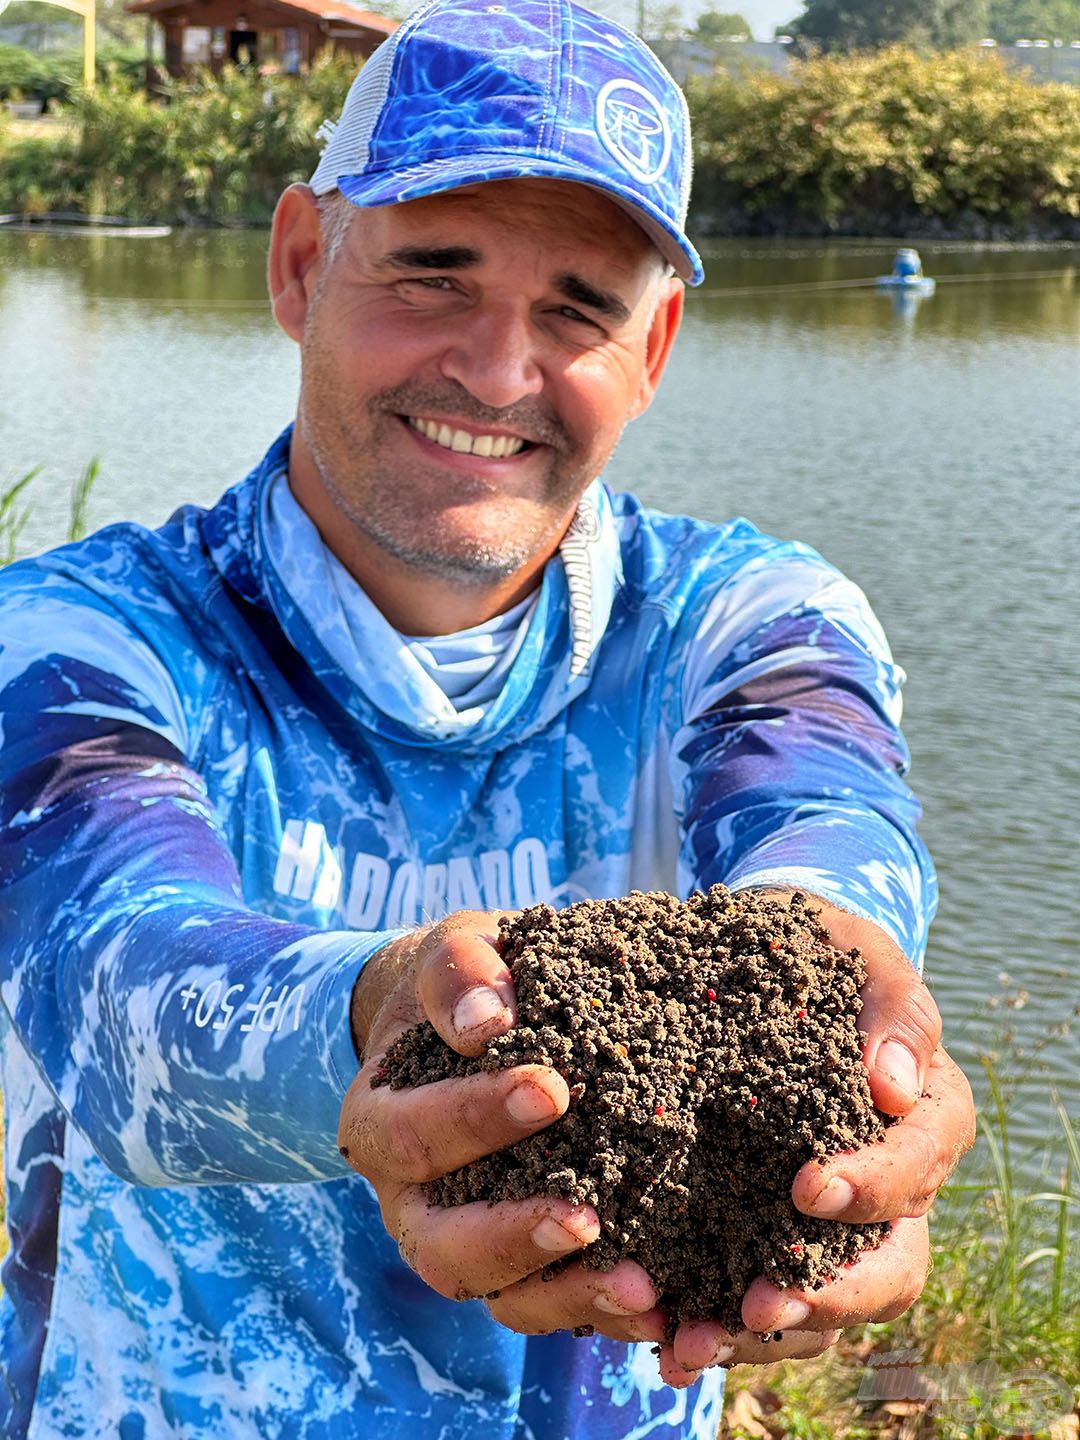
{"x":211,"y":816}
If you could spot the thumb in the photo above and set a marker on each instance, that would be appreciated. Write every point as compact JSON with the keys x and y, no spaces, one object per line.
{"x":901,"y":1027}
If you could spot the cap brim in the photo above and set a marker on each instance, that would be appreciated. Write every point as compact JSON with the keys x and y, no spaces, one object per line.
{"x":415,"y":181}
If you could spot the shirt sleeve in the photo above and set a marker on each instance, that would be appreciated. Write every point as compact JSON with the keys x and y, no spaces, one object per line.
{"x":191,"y":1039}
{"x":789,"y":759}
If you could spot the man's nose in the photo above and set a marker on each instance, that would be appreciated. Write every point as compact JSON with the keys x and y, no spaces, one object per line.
{"x":494,"y":355}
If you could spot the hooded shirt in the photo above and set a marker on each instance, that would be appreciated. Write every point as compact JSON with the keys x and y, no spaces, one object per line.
{"x":225,"y":783}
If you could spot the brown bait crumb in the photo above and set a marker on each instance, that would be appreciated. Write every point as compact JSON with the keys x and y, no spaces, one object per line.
{"x":711,"y":1048}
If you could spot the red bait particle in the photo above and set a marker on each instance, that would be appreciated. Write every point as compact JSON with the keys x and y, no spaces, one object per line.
{"x":800,"y":1014}
{"x":659,"y":1110}
{"x":753,"y":1101}
{"x":796,"y":1249}
{"x":774,"y":945}
{"x":711,"y":993}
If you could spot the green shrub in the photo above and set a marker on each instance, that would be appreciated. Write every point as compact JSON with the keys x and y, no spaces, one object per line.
{"x":38,"y":174}
{"x":218,"y":148}
{"x":888,"y":134}
{"x":116,"y":61}
{"x":863,"y":142}
{"x":57,"y":75}
{"x":16,"y":71}
{"x":26,"y":75}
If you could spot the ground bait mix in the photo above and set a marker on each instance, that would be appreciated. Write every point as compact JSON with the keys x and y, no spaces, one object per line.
{"x":711,"y":1048}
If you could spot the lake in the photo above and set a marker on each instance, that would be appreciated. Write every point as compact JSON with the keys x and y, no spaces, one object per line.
{"x":930,"y":450}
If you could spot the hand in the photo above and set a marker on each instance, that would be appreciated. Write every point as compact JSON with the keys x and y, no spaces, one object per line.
{"x":896,"y":1179}
{"x":452,"y":975}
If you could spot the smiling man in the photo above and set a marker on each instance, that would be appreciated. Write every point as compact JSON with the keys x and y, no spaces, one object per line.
{"x":269,"y":774}
{"x":469,"y":362}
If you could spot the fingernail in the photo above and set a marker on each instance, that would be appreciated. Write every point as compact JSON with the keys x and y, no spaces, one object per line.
{"x":898,"y":1063}
{"x":476,"y":1007}
{"x":836,"y":1196}
{"x":528,"y":1105}
{"x":551,"y":1236}
{"x":790,"y":1314}
{"x":612,"y":1307}
{"x":724,"y":1355}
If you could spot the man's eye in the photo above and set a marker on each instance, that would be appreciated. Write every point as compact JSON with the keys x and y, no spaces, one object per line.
{"x":434,"y":282}
{"x":569,"y":313}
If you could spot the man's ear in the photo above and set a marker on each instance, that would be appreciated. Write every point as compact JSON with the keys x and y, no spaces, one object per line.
{"x":296,"y":251}
{"x":661,"y":337}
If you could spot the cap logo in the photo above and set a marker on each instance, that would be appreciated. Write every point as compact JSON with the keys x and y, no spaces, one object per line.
{"x":634,"y":128}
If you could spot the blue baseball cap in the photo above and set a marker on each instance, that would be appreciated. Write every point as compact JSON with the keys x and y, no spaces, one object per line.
{"x":465,"y":91}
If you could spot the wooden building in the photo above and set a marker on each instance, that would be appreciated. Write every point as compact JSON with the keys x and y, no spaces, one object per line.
{"x":283,"y":35}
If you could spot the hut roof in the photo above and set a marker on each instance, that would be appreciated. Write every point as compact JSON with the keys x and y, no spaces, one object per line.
{"x":340,"y":11}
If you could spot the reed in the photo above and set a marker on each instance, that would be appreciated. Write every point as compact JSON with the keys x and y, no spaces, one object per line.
{"x":15,"y":510}
{"x":13,"y":515}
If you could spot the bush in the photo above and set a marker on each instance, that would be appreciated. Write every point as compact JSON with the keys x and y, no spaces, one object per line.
{"x":878,"y":138}
{"x":25,"y":75}
{"x":57,"y":75}
{"x":213,"y":150}
{"x":37,"y":174}
{"x":16,"y":71}
{"x":220,"y":149}
{"x":871,"y":144}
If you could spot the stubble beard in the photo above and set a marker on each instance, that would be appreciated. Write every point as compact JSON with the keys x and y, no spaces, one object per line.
{"x":375,"y":497}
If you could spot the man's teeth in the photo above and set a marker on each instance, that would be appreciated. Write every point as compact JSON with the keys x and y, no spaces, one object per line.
{"x":494,"y":447}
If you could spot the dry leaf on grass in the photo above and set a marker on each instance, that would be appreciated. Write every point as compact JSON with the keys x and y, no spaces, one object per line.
{"x":768,"y":1400}
{"x":743,"y":1418}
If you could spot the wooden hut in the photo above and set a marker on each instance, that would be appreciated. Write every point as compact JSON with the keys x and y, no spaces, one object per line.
{"x":284,"y":35}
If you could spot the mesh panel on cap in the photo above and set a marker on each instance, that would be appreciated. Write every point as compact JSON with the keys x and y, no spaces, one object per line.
{"x":347,"y":151}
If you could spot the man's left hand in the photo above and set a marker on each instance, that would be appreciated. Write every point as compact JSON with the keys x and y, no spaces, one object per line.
{"x":895,"y":1179}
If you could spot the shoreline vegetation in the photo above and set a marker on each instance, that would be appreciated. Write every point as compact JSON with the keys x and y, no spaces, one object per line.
{"x":887,"y":143}
{"x":991,"y":1347}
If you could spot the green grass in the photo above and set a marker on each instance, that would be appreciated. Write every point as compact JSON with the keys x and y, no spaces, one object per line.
{"x":996,"y":1330}
{"x":13,"y":515}
{"x":15,"y":509}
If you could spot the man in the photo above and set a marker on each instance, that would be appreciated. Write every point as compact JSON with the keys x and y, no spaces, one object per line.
{"x":420,"y":664}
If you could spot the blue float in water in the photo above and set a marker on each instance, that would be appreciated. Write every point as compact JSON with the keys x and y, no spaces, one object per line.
{"x":907,"y":275}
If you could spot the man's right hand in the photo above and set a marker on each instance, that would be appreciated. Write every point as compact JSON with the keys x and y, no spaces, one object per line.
{"x":452,"y":974}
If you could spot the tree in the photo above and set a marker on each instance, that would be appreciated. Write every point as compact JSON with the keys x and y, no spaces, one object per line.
{"x":664,"y":22}
{"x":658,"y":19}
{"x":871,"y":24}
{"x":715,"y":26}
{"x":1011,"y":20}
